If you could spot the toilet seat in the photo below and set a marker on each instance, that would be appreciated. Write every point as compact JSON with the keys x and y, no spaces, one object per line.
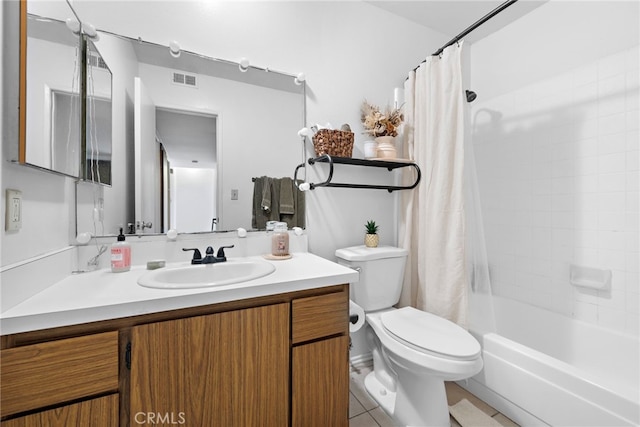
{"x":430,"y":334}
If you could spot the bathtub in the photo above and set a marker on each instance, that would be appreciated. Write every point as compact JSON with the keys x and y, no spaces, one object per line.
{"x":542,"y":368}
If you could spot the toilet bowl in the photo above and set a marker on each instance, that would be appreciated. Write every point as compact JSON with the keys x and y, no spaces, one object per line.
{"x":419,"y":363}
{"x":414,"y":352}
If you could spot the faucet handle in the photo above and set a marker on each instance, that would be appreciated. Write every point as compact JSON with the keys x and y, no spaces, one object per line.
{"x":197,"y":256}
{"x":221,"y":249}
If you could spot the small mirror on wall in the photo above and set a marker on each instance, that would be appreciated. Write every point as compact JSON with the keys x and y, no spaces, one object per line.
{"x":50,"y":87}
{"x":96,"y":152}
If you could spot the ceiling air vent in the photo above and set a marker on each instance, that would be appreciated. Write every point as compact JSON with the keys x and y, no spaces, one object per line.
{"x":184,"y":79}
{"x":97,"y":61}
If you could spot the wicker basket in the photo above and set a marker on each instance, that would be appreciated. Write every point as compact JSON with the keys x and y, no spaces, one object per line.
{"x":337,"y":143}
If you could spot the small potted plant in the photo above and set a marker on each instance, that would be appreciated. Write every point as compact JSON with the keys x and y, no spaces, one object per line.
{"x":371,"y":239}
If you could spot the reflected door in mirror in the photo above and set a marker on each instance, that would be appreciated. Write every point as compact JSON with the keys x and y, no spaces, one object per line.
{"x":147,"y":157}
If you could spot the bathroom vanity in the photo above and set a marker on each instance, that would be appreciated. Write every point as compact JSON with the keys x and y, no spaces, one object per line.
{"x":270,"y":352}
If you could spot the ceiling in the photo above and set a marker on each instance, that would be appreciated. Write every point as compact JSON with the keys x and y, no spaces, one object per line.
{"x":451,"y":17}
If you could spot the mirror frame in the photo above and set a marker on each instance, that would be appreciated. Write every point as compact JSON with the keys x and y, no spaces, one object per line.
{"x":22,"y":103}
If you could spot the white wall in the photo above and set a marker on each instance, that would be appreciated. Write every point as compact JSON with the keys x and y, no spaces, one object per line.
{"x":555,"y":132}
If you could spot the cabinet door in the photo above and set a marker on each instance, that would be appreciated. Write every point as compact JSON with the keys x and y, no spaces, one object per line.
{"x":320,"y":383}
{"x":53,"y":373}
{"x":100,"y":412}
{"x":224,"y":369}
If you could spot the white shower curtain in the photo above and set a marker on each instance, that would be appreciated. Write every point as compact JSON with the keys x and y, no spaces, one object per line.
{"x":433,"y":226}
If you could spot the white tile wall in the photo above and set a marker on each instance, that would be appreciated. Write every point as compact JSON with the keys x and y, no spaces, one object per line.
{"x":558,"y":170}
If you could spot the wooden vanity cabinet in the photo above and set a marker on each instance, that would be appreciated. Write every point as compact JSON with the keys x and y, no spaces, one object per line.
{"x":279,"y":360}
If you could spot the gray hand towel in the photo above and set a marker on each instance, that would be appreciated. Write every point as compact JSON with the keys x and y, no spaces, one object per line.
{"x":265,"y":204}
{"x":258,"y":218}
{"x":287,"y":204}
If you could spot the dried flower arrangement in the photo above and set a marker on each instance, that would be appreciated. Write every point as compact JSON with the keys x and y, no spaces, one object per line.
{"x":376,"y":123}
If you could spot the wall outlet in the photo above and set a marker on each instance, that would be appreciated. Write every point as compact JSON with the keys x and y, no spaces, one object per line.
{"x":234,"y":194}
{"x":13,"y":213}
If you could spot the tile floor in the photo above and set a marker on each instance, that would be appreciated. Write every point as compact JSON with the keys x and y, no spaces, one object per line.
{"x":365,"y":412}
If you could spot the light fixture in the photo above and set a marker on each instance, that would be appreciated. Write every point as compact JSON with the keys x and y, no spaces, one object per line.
{"x":305,"y":132}
{"x":174,"y":48}
{"x":244,"y":65}
{"x":73,"y":25}
{"x":83,"y":238}
{"x":299,"y":79}
{"x":89,"y":30}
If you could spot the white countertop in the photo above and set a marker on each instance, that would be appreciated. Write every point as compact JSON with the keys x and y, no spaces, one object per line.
{"x":103,"y":295}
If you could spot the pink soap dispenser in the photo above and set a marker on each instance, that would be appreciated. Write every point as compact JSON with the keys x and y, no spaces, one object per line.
{"x":120,"y":255}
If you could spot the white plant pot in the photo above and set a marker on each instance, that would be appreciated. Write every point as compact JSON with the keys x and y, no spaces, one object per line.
{"x":386,"y":147}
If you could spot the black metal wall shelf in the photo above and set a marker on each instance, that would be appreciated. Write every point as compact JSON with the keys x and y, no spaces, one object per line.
{"x":388,"y":164}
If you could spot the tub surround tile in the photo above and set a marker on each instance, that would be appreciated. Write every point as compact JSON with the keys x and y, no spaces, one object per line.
{"x":580,"y":182}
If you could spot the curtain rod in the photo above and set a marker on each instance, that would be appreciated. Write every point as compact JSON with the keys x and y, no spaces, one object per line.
{"x":475,"y":25}
{"x":472,"y":27}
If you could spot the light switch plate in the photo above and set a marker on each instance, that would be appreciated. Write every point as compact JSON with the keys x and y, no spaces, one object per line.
{"x":13,"y":213}
{"x":234,"y":194}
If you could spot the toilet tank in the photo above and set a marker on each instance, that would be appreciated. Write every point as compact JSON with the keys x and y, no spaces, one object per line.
{"x":381,"y":274}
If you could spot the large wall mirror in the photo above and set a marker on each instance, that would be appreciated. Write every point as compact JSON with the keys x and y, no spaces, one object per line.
{"x":190,"y":134}
{"x":50,"y":100}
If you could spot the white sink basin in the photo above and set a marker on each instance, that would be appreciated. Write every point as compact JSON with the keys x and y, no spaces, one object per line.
{"x":206,"y":275}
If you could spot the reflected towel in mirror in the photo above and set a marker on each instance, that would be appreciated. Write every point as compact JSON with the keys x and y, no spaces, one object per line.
{"x":284,"y":201}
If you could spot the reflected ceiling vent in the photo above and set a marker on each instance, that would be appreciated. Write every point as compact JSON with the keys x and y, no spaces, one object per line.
{"x":96,"y":61}
{"x":184,"y":79}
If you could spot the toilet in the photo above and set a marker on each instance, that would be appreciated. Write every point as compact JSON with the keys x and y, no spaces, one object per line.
{"x":414,"y":352}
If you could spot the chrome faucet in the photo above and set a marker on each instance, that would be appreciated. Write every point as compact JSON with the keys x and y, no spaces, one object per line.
{"x":209,"y":258}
